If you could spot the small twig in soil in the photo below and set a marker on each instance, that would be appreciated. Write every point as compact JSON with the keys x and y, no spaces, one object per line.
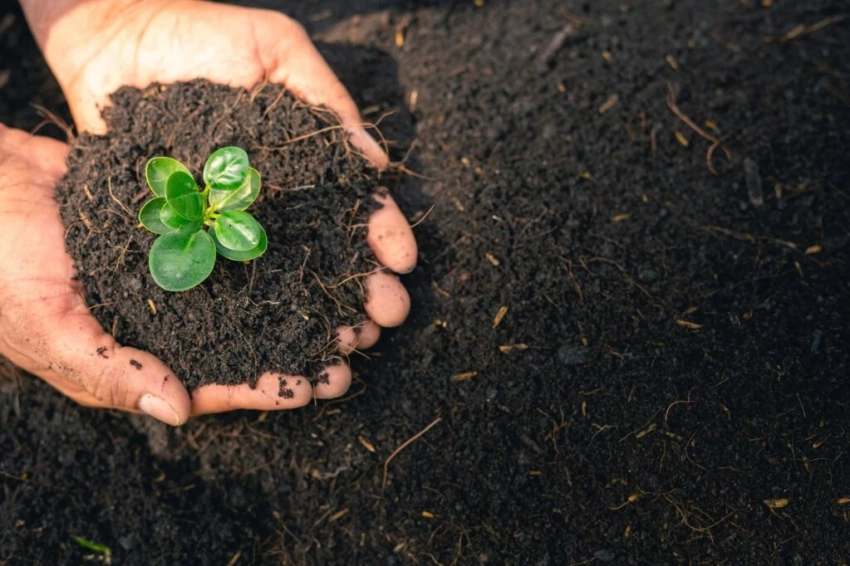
{"x":644,"y":427}
{"x":331,"y":343}
{"x":572,"y":277}
{"x":253,"y":276}
{"x":273,"y":104}
{"x":140,"y":196}
{"x":709,"y":156}
{"x":744,"y":237}
{"x":85,"y":220}
{"x":558,"y":40}
{"x":355,"y":276}
{"x":340,"y":400}
{"x":351,"y":219}
{"x":631,"y":499}
{"x":365,"y":125}
{"x":13,"y":477}
{"x":683,"y":515}
{"x":113,"y":197}
{"x":52,"y":118}
{"x":801,"y":30}
{"x":671,"y":103}
{"x":404,"y":445}
{"x":407,"y":154}
{"x":404,"y":169}
{"x":120,"y":259}
{"x":627,"y":277}
{"x":228,"y":112}
{"x":307,"y":252}
{"x":674,"y":403}
{"x":424,"y":216}
{"x":340,"y":307}
{"x":310,"y":135}
{"x":599,"y":430}
{"x":384,"y":115}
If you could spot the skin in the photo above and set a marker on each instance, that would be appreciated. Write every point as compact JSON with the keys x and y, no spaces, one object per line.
{"x":93,"y":48}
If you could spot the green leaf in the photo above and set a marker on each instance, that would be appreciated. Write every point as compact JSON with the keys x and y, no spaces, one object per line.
{"x":181,"y":191}
{"x":179,"y":262}
{"x":158,"y":170}
{"x":238,"y":231}
{"x":226,"y":169}
{"x":241,"y":198}
{"x":93,"y":546}
{"x":178,"y":223}
{"x":256,"y":252}
{"x":149,"y":216}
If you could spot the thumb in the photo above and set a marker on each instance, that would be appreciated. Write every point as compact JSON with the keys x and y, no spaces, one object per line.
{"x":115,"y":376}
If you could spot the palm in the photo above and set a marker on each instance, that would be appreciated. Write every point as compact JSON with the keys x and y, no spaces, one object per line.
{"x":45,"y":325}
{"x":30,"y":219}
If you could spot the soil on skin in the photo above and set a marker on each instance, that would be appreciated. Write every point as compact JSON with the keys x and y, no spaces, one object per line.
{"x":626,"y":359}
{"x":278,"y":313}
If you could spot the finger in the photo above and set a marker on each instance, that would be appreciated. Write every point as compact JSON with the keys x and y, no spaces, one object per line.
{"x":361,"y":337}
{"x":87,"y":113}
{"x":303,"y":70}
{"x":387,"y":301}
{"x":112,"y":375}
{"x":333,"y":382}
{"x":273,"y":392}
{"x":365,"y":143}
{"x":391,"y":237}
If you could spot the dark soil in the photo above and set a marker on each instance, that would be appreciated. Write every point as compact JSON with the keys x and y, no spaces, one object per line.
{"x":668,"y":382}
{"x":278,"y":313}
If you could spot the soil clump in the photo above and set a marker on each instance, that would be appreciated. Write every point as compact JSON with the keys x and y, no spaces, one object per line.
{"x":277,"y":313}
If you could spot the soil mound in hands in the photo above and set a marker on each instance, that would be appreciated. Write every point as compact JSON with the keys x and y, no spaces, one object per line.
{"x":277,"y":313}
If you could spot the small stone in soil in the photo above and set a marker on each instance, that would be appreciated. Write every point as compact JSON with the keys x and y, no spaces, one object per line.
{"x":571,"y":356}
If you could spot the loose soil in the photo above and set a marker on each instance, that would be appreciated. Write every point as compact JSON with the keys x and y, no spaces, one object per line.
{"x":626,"y":359}
{"x":278,"y":313}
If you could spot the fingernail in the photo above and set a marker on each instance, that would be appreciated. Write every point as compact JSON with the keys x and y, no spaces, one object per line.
{"x":159,"y":409}
{"x":408,"y":271}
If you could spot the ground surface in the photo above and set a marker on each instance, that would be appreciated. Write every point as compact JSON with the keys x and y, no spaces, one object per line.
{"x":667,"y":382}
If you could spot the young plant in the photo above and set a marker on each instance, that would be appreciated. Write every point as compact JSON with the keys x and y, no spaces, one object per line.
{"x":184,"y":254}
{"x":104,"y":551}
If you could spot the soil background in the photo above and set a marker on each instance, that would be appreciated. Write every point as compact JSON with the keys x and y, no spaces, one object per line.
{"x":667,"y":382}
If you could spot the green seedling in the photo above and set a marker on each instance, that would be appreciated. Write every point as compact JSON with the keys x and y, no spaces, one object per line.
{"x":96,"y":548}
{"x":194,"y":225}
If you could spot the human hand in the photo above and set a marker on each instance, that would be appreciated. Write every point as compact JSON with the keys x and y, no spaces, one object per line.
{"x":45,"y":326}
{"x":135,"y":43}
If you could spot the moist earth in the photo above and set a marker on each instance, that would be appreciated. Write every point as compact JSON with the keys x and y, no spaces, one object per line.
{"x":623,"y":357}
{"x":277,"y":313}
